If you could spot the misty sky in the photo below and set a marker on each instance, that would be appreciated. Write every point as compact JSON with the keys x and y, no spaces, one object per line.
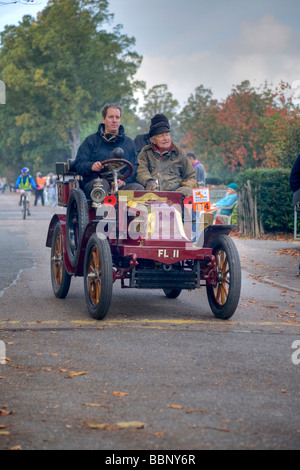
{"x":215,"y":43}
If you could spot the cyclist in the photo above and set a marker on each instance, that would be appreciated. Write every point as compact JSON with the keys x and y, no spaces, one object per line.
{"x":25,"y":182}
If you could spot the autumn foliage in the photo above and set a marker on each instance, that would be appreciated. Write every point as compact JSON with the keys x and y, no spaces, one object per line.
{"x":251,"y":128}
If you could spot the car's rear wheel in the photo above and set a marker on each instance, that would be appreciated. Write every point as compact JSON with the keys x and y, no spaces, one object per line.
{"x":76,"y":221}
{"x":60,"y":278}
{"x":172,"y":293}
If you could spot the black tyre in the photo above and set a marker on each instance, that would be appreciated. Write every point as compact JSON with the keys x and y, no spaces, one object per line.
{"x":98,"y":277}
{"x":24,"y":210}
{"x":224,"y":298}
{"x":76,"y":221}
{"x":172,"y":293}
{"x":59,"y":277}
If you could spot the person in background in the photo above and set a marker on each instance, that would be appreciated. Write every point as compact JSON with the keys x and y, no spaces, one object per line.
{"x":295,"y":183}
{"x":227,"y":201}
{"x":40,"y":185}
{"x":50,"y":183}
{"x":162,"y":165}
{"x":99,"y":147}
{"x":199,"y":169}
{"x":25,"y":182}
{"x":295,"y":187}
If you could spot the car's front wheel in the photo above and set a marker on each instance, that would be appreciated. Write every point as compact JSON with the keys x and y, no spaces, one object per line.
{"x":224,"y":298}
{"x":98,"y":276}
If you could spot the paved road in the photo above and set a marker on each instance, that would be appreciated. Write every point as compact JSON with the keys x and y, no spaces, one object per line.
{"x":157,"y":374}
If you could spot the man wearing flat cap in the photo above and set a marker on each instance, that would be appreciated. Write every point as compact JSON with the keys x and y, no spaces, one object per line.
{"x":162,"y":165}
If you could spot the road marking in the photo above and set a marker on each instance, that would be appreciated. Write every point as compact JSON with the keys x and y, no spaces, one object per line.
{"x":143,"y":322}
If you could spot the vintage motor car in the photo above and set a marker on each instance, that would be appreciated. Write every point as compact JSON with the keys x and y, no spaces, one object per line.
{"x":144,"y":239}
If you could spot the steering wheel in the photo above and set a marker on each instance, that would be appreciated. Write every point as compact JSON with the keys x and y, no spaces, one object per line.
{"x":114,"y":166}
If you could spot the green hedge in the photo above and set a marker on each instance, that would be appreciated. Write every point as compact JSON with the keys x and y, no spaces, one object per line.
{"x":274,"y":197}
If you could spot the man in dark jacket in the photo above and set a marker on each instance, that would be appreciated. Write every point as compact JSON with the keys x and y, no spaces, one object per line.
{"x":99,"y":147}
{"x":295,"y":183}
{"x":295,"y":186}
{"x":295,"y":175}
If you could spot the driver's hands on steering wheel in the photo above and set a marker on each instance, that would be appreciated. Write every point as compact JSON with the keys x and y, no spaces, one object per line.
{"x":97,"y":166}
{"x":112,"y":168}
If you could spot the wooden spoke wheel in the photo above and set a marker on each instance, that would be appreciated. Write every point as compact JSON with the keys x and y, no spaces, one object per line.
{"x":98,"y":277}
{"x":77,"y":219}
{"x":224,"y":298}
{"x":59,"y":276}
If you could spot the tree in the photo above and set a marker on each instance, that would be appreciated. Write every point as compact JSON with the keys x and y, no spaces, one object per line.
{"x":242,"y":137}
{"x":159,"y":100}
{"x":291,"y":147}
{"x":59,"y":70}
{"x":282,"y":123}
{"x":200,"y":129}
{"x":257,"y":125}
{"x":251,"y":128}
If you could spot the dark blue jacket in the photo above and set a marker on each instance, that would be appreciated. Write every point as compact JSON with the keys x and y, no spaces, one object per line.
{"x":140,"y":141}
{"x":295,"y":175}
{"x":97,"y":148}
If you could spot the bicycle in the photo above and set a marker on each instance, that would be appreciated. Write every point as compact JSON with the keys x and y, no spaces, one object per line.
{"x":25,"y":201}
